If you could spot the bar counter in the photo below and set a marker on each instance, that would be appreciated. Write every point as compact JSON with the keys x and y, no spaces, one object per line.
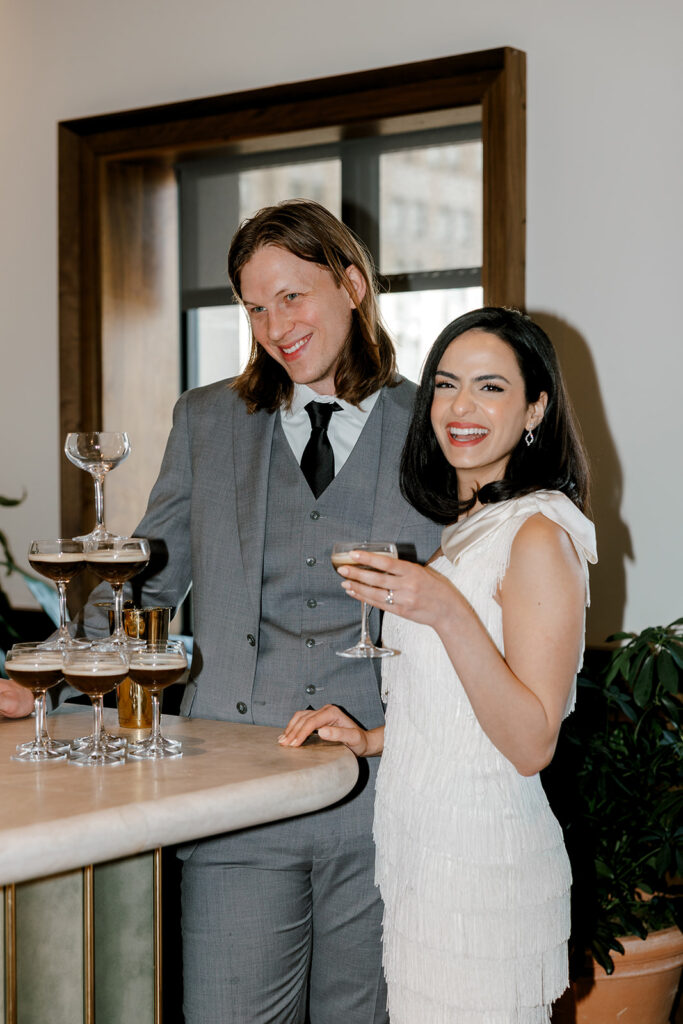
{"x":58,"y":816}
{"x":80,"y":854}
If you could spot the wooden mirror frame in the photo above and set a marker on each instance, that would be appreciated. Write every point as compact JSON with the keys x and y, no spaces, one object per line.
{"x":118,"y":230}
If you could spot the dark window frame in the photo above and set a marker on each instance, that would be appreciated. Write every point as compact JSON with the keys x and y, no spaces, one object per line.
{"x":117,"y":241}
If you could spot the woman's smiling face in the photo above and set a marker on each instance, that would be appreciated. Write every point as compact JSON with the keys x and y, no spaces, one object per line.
{"x":479,"y":408}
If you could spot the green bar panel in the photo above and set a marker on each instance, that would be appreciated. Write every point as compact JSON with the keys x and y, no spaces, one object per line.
{"x":50,"y":950}
{"x":124,"y":941}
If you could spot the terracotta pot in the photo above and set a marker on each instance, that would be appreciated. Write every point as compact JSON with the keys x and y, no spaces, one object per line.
{"x":641,"y":990}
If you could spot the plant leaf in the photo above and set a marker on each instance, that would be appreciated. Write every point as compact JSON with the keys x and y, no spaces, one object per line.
{"x":666,"y":672}
{"x":643,"y":685}
{"x":9,"y":502}
{"x":676,"y":651}
{"x":618,"y":663}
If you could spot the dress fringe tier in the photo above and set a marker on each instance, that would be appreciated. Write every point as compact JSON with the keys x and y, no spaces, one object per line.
{"x":470,"y":859}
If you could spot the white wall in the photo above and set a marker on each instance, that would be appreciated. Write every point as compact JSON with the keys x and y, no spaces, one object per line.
{"x":605,"y":151}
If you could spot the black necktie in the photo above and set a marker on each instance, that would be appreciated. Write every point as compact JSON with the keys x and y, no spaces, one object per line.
{"x":317,"y":461}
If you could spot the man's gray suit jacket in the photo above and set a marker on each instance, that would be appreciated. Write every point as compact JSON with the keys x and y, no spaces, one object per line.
{"x":206,"y":519}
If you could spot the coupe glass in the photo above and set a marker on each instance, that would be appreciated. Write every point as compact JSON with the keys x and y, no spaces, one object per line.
{"x":98,"y":453}
{"x":36,"y":667}
{"x":117,"y":560}
{"x":56,"y":746}
{"x":59,"y":561}
{"x":154,"y":667}
{"x":341,"y":555}
{"x":95,"y":671}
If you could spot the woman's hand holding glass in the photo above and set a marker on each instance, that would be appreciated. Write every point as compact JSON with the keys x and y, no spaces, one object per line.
{"x":407,"y":589}
{"x":343,"y":554}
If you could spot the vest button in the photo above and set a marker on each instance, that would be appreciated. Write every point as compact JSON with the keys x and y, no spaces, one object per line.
{"x":312,"y":603}
{"x":251,"y":639}
{"x":310,"y":642}
{"x":241,"y":707}
{"x":310,"y":562}
{"x":315,"y":516}
{"x":310,"y":689}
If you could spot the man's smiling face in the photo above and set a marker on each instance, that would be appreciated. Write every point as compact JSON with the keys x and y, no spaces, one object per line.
{"x":299,"y":314}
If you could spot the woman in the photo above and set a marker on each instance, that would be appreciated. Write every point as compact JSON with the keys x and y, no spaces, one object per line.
{"x":470,"y":860}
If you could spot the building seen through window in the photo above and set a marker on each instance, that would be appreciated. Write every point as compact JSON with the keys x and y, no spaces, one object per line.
{"x":414,"y":199}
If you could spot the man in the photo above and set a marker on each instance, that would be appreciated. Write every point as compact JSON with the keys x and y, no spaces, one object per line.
{"x":283,"y":920}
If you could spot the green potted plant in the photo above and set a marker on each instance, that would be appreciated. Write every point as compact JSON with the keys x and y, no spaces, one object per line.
{"x":617,"y":788}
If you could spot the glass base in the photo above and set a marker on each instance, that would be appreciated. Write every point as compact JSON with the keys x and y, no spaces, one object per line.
{"x":153,"y":750}
{"x":33,"y":753}
{"x":112,"y":744}
{"x":366,"y":651}
{"x":54,"y":746}
{"x":97,"y":535}
{"x":66,"y":643}
{"x":93,"y":759}
{"x":121,"y":641}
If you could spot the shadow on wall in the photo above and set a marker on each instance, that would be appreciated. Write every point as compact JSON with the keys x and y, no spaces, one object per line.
{"x":608,"y":577}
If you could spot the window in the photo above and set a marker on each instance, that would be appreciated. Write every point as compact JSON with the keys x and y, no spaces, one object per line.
{"x":419,"y":212}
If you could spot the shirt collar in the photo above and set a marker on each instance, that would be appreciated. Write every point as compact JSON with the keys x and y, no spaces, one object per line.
{"x":303,"y":394}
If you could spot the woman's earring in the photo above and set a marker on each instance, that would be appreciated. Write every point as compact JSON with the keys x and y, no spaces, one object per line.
{"x":529,"y":437}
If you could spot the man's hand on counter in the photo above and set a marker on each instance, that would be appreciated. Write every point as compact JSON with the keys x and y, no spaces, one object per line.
{"x":15,"y":701}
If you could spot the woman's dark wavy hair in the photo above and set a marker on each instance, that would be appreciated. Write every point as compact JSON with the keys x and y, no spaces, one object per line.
{"x":309,"y":231}
{"x":555,"y":461}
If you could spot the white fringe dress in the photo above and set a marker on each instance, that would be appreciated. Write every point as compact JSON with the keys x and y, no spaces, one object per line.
{"x":471,"y":862}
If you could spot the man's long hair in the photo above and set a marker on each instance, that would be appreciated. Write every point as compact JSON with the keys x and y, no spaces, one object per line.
{"x":306,"y":229}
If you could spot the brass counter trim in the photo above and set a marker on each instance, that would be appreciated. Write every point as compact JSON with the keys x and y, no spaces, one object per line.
{"x":10,"y":955}
{"x":88,"y":945}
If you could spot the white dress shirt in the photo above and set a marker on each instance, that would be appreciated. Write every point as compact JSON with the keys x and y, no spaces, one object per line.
{"x":344,"y":429}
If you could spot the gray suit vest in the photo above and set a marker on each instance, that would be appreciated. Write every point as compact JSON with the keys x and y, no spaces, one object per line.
{"x":305,"y":615}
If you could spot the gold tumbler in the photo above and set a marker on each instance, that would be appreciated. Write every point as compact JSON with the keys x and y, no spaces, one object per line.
{"x":134,"y":703}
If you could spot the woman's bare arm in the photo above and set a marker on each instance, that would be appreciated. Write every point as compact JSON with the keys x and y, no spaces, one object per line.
{"x":519,"y":700}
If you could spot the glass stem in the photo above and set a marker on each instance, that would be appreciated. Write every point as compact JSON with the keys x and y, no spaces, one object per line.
{"x":99,"y":502}
{"x":63,"y":628}
{"x":97,"y":727}
{"x":43,"y":708}
{"x":118,"y":610}
{"x":39,"y":708}
{"x":156,"y":721}
{"x":364,"y":635}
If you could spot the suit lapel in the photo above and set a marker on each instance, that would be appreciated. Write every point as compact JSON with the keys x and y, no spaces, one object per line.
{"x":390,"y":510}
{"x":252,"y":436}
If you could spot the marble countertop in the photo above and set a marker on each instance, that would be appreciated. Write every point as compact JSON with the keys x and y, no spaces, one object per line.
{"x":56,"y":816}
